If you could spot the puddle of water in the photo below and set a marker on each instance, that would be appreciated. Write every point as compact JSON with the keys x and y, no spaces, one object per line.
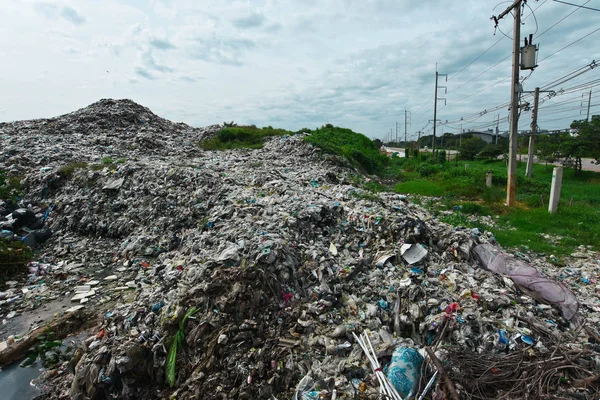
{"x":15,"y":381}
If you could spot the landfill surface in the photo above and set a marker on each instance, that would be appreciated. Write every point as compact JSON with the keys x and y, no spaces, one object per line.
{"x":246,"y":274}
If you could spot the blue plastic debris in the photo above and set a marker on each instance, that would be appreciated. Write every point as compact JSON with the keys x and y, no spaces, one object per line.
{"x":404,"y":371}
{"x":528,"y":339}
{"x":383,"y":304}
{"x":503,"y":336}
{"x":156,"y":307}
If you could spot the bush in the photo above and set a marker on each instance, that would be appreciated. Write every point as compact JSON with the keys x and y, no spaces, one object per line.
{"x":470,"y":148}
{"x":14,"y":256}
{"x":474,"y":208}
{"x":428,"y":169}
{"x":238,"y":137}
{"x":361,"y":151}
{"x":490,"y":152}
{"x":441,"y":156}
{"x":68,"y":170}
{"x":9,"y":186}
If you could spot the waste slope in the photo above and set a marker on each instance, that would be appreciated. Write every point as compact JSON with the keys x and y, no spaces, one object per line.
{"x":258,"y":264}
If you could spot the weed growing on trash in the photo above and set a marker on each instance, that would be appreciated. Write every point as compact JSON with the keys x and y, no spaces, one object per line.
{"x":178,"y":341}
{"x":13,"y":257}
{"x":241,"y":137}
{"x":361,"y":151}
{"x":68,"y":170}
{"x":10,"y":187}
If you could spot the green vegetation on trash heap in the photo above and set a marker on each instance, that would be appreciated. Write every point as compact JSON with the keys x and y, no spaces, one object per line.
{"x":576,"y":223}
{"x":10,"y":187}
{"x":361,"y":151}
{"x":178,"y":342}
{"x":14,"y":255}
{"x":67,"y":171}
{"x":241,"y":137}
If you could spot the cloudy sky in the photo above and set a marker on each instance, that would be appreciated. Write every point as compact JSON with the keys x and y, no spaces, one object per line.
{"x":293,"y":64}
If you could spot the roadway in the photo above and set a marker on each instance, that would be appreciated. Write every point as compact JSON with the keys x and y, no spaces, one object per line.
{"x":587,"y":164}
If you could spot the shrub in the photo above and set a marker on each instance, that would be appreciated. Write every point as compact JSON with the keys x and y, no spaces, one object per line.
{"x":14,"y":256}
{"x":361,"y":151}
{"x":68,"y":170}
{"x":237,"y":137}
{"x":9,"y":186}
{"x":428,"y":169}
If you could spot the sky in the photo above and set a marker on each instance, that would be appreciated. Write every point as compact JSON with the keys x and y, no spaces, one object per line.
{"x":358,"y":64}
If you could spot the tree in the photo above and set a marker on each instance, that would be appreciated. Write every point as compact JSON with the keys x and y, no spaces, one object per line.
{"x":548,"y":147}
{"x":585,"y":142}
{"x":569,"y":149}
{"x":470,"y":148}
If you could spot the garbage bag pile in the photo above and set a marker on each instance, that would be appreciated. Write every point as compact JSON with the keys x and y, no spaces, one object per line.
{"x":247,"y":274}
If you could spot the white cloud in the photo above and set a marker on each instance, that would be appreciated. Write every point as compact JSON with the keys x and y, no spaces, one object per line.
{"x":353,"y":63}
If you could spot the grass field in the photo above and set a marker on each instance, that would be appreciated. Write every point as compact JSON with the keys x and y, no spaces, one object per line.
{"x":576,"y":223}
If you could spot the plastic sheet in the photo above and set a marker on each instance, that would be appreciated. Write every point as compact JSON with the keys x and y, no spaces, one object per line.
{"x":528,"y":279}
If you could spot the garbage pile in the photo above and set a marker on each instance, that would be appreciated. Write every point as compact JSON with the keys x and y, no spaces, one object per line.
{"x":251,"y":274}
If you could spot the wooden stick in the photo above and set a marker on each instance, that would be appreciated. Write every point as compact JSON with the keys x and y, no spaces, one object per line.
{"x":440,"y":368}
{"x":17,"y":350}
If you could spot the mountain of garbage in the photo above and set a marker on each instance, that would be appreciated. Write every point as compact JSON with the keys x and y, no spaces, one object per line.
{"x":268,"y":274}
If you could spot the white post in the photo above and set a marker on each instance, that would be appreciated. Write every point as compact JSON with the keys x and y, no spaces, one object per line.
{"x":555,"y":189}
{"x":488,"y":178}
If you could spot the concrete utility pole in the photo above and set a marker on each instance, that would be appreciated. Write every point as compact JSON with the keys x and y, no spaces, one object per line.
{"x":435,"y":100}
{"x":405,"y":133}
{"x":532,"y":134}
{"x":418,"y":140}
{"x":587,"y":118}
{"x":396,"y":133}
{"x":497,"y":129}
{"x":557,"y":174}
{"x":511,"y":188}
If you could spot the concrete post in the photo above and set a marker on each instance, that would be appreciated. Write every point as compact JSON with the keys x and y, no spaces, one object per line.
{"x":488,"y":178}
{"x":466,"y":167}
{"x":555,"y":189}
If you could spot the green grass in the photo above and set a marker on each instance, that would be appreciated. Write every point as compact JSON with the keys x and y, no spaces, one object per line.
{"x":422,"y":187}
{"x":10,"y":187}
{"x":361,"y":151}
{"x":576,"y":223}
{"x":178,"y":342}
{"x":67,"y":171}
{"x":241,"y":137}
{"x":14,"y":255}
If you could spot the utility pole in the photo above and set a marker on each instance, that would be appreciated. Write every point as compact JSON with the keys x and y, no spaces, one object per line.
{"x":536,"y":101}
{"x":497,"y":129}
{"x":406,"y":152}
{"x":511,"y":188}
{"x":418,"y":140}
{"x":587,"y":118}
{"x":435,"y":100}
{"x":396,"y":133}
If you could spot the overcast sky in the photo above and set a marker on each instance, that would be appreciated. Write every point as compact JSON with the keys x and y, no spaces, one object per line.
{"x":293,"y":64}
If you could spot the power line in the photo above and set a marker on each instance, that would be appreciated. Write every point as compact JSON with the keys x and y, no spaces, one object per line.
{"x":576,"y":5}
{"x":570,"y":44}
{"x":562,"y":19}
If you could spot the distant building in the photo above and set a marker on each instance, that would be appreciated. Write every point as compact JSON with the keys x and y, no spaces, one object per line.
{"x":489,"y":136}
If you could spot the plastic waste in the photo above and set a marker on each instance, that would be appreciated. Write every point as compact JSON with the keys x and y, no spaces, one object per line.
{"x":528,"y":279}
{"x":404,"y":371}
